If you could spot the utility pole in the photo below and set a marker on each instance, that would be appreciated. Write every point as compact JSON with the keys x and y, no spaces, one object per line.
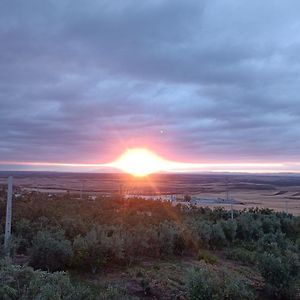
{"x":228,"y":199}
{"x":7,"y":237}
{"x":121,"y":190}
{"x":81,"y":190}
{"x":286,"y":207}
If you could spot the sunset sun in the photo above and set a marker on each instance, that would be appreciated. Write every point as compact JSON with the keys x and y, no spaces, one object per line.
{"x":139,"y":162}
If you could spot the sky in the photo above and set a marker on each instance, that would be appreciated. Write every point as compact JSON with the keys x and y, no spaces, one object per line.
{"x":212,"y":82}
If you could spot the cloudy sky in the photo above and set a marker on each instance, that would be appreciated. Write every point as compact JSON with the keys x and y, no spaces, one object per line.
{"x":215,"y":81}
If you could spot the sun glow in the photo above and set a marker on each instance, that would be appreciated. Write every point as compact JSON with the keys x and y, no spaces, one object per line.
{"x":140,"y":162}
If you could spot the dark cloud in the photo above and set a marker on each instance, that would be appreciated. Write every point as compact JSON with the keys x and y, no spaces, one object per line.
{"x":82,"y":80}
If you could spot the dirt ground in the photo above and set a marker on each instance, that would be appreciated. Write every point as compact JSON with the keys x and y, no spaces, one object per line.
{"x":166,"y":279}
{"x":262,"y":199}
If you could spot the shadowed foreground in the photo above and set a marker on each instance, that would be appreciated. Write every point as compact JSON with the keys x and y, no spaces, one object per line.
{"x":112,"y":248}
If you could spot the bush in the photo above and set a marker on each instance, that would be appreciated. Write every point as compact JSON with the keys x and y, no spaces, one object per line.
{"x":73,"y":227}
{"x":88,"y":252}
{"x":273,"y":243}
{"x":50,"y":251}
{"x":290,"y":226}
{"x":229,"y":228}
{"x":218,"y":238}
{"x":210,"y":235}
{"x":204,"y":232}
{"x":13,"y":246}
{"x":24,"y":233}
{"x":115,"y":293}
{"x":235,"y":288}
{"x":178,"y":244}
{"x":281,"y":274}
{"x":249,"y":227}
{"x":23,"y":283}
{"x":270,"y":223}
{"x":297,"y":244}
{"x":243,"y":255}
{"x":166,"y":233}
{"x":112,"y":231}
{"x":207,"y":257}
{"x":205,"y":284}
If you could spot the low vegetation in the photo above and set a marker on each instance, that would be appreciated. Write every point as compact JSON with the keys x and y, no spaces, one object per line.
{"x":207,"y":284}
{"x":62,"y":238}
{"x":24,"y":283}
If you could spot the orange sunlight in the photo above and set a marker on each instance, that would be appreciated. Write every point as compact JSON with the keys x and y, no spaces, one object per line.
{"x":140,"y":162}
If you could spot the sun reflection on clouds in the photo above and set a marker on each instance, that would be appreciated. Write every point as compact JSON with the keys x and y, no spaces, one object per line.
{"x":142,"y":161}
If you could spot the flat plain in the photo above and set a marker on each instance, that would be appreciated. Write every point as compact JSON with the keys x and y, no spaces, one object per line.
{"x":279,"y":192}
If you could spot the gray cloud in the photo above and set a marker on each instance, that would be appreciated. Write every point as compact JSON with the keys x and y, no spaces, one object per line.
{"x":82,"y":80}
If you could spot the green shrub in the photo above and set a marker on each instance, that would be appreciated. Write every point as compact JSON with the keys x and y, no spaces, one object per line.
{"x":204,"y":231}
{"x":229,"y":228}
{"x":166,"y":233}
{"x":275,"y":243}
{"x":178,"y":244}
{"x":73,"y":227}
{"x":290,"y":226}
{"x":115,"y":293}
{"x":89,"y":252}
{"x":206,"y":284}
{"x":207,"y":257}
{"x":13,"y":246}
{"x":50,"y":251}
{"x":23,"y":283}
{"x":249,"y":227}
{"x":297,"y":244}
{"x":281,"y":274}
{"x":235,"y":288}
{"x":203,"y":285}
{"x":218,"y":238}
{"x":270,"y":223}
{"x":24,"y":233}
{"x":146,"y":287}
{"x":241,"y":254}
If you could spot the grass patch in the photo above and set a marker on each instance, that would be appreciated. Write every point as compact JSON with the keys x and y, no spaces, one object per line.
{"x":242,"y":255}
{"x":207,"y":257}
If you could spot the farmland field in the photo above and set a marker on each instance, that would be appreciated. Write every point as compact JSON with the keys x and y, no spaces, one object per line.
{"x":278,"y":192}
